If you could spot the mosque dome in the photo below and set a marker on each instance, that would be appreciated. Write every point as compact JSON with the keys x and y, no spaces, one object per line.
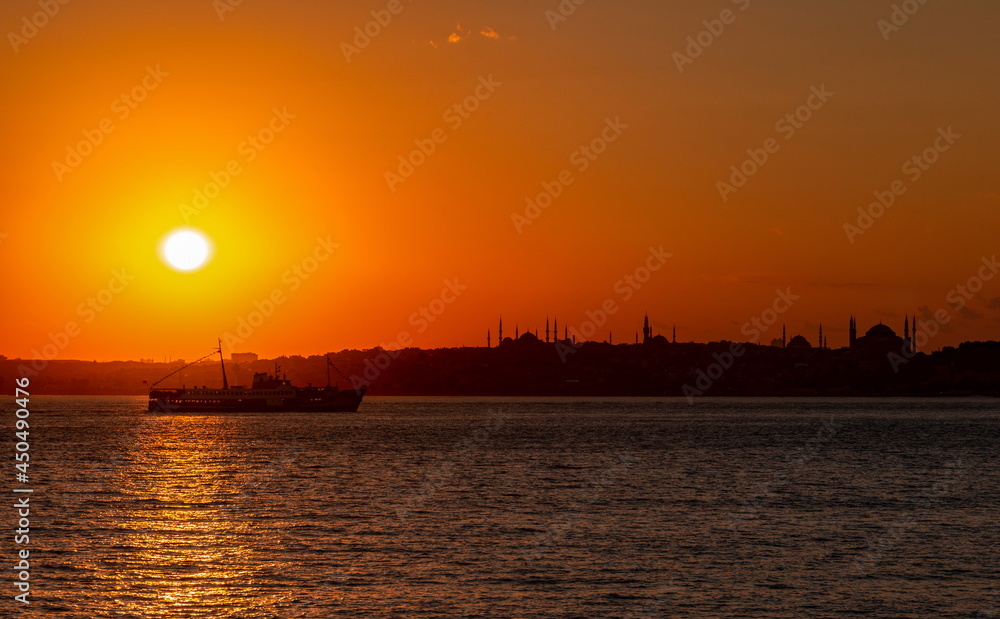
{"x":880,"y":331}
{"x":799,"y":342}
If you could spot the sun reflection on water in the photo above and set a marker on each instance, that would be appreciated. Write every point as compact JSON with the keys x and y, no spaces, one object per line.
{"x":184,"y":546}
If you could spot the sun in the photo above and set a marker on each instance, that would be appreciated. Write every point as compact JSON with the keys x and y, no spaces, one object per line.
{"x":185,"y":249}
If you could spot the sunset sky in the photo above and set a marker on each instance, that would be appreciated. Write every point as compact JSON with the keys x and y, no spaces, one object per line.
{"x":311,"y":117}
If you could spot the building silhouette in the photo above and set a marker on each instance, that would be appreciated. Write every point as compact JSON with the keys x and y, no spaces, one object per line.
{"x":881,"y":339}
{"x":647,"y":334}
{"x":244,"y":358}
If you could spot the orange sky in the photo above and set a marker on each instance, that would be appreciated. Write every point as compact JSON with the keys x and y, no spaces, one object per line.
{"x":209,"y":83}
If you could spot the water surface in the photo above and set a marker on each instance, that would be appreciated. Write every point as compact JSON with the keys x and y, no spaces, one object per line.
{"x":440,"y":507}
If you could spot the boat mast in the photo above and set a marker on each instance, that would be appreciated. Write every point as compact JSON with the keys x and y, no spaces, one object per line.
{"x":225,"y":382}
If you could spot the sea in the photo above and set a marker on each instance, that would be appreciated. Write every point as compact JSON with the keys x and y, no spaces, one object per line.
{"x":510,"y":507}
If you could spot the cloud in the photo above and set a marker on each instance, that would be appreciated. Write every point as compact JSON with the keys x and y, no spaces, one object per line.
{"x":782,"y":279}
{"x":966,"y":312}
{"x":744,"y":278}
{"x":927,"y":315}
{"x":460,"y":35}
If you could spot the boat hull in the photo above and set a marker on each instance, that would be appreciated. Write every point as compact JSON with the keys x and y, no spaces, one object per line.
{"x":207,"y":401}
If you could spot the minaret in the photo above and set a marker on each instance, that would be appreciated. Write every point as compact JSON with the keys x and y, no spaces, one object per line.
{"x":555,"y":328}
{"x":517,"y":332}
{"x":611,"y":338}
{"x":854,"y":332}
{"x":566,"y":332}
{"x":647,"y":333}
{"x":675,"y":334}
{"x":488,"y":343}
{"x":784,"y":337}
{"x":821,"y":336}
{"x":500,"y":332}
{"x":546,"y":329}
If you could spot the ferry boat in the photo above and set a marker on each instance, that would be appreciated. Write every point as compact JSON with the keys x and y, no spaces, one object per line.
{"x":267,"y":393}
